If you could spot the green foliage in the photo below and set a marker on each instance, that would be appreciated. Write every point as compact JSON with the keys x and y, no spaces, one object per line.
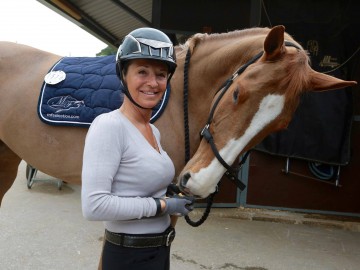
{"x":107,"y":51}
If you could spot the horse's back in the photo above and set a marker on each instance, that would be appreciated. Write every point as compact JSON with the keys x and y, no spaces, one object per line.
{"x":22,"y":70}
{"x":22,"y":63}
{"x":11,"y":49}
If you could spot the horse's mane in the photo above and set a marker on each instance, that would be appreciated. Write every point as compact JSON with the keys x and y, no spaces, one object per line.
{"x":240,"y":33}
{"x":201,"y":37}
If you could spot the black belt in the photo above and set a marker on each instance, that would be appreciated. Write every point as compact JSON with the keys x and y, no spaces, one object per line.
{"x":141,"y":240}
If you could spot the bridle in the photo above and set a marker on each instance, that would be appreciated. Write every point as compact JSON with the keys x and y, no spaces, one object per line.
{"x":231,"y":173}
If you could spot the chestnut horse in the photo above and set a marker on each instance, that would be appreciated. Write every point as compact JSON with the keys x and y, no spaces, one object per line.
{"x":260,"y":100}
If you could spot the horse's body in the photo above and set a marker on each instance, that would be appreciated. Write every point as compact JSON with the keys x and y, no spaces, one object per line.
{"x":57,"y":151}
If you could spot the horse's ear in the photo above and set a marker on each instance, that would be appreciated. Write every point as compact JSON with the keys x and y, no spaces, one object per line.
{"x":274,"y":43}
{"x":322,"y":82}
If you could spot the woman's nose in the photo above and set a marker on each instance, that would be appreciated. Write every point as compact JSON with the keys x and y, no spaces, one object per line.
{"x":152,"y":80}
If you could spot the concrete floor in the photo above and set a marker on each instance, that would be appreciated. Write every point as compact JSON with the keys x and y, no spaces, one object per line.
{"x":42,"y":228}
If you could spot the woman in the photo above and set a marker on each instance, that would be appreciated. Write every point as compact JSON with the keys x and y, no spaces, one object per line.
{"x":125,"y":171}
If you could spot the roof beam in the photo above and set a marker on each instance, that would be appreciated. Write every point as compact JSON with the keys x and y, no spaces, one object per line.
{"x":132,"y":12}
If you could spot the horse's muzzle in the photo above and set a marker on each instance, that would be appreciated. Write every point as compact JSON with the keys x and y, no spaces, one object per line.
{"x":183,"y":182}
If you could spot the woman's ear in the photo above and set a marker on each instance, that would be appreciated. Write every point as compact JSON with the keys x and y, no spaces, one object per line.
{"x":124,"y":70}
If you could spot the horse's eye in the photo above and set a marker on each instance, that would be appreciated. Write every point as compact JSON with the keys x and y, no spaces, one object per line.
{"x":236,"y":95}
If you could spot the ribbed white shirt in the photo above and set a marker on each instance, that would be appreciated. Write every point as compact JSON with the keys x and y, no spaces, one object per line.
{"x":121,"y":175}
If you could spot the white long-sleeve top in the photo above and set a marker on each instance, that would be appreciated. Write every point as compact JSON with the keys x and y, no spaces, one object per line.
{"x":121,"y":175}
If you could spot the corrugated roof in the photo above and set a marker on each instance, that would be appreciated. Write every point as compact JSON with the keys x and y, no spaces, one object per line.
{"x":108,"y":20}
{"x":111,"y":20}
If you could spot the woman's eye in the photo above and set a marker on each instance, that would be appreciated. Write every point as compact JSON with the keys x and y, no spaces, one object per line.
{"x":162,"y":75}
{"x":141,"y":71}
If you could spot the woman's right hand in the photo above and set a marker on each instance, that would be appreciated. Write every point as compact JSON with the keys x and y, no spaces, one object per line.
{"x":178,"y":205}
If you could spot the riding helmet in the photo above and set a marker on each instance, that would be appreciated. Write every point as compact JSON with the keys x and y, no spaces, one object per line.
{"x":147,"y":43}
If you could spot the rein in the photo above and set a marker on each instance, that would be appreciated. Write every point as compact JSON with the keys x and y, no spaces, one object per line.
{"x":231,"y":173}
{"x":210,"y":198}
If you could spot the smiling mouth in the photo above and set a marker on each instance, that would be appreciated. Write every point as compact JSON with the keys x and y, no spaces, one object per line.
{"x":149,"y":93}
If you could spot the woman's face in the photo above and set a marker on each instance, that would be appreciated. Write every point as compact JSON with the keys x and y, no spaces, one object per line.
{"x":146,"y":80}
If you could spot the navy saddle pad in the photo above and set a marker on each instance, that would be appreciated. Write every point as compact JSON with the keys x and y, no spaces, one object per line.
{"x":77,"y":89}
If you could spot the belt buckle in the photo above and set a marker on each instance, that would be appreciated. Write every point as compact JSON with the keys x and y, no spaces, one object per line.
{"x":170,"y":237}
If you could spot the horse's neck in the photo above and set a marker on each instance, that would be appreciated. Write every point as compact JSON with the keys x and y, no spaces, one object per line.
{"x":216,"y":60}
{"x":210,"y":67}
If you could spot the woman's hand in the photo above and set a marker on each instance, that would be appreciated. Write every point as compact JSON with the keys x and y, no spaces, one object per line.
{"x":177,"y":205}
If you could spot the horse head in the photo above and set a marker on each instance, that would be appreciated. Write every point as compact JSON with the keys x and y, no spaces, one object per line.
{"x":261,"y":99}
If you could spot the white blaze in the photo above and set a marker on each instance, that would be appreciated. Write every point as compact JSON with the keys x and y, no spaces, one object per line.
{"x":204,"y":182}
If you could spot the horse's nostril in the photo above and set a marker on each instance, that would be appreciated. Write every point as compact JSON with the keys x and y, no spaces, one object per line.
{"x":185,"y":179}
